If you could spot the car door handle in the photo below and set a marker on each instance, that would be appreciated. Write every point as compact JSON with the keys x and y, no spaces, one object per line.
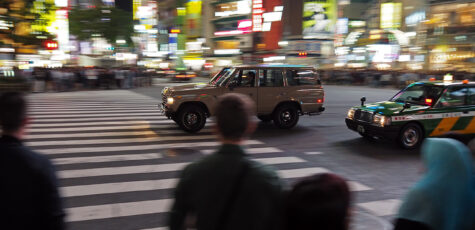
{"x":465,"y":112}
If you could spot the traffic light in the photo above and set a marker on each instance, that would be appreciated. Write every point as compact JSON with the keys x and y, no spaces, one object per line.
{"x":51,"y":45}
{"x":302,"y":54}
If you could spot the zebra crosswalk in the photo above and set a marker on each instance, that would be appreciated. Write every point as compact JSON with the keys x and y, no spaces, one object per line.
{"x":118,"y":158}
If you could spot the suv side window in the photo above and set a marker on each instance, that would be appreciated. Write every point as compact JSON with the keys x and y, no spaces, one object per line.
{"x":271,"y":78}
{"x":454,"y":96}
{"x":244,"y":78}
{"x":302,"y":77}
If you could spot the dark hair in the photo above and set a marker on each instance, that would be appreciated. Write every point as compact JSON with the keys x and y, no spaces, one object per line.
{"x":233,"y":114}
{"x":12,"y":111}
{"x":319,"y":202}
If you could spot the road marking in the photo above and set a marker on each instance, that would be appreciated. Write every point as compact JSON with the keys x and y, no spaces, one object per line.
{"x":382,"y":207}
{"x":104,"y":118}
{"x":248,"y":150}
{"x":120,"y":187}
{"x":117,"y":210}
{"x":358,"y":187}
{"x":313,"y":153}
{"x":120,"y":140}
{"x":154,"y":168}
{"x":150,"y":125}
{"x":139,"y":122}
{"x":159,"y":124}
{"x":149,"y":185}
{"x":111,"y":134}
{"x":302,"y":172}
{"x":110,"y":158}
{"x":40,"y":117}
{"x":94,"y":112}
{"x":98,"y":109}
{"x":141,"y":147}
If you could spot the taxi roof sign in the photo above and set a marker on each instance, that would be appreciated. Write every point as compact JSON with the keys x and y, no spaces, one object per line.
{"x":448,"y":77}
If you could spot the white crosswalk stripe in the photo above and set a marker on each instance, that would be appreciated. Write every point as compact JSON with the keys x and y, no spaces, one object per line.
{"x":139,"y":153}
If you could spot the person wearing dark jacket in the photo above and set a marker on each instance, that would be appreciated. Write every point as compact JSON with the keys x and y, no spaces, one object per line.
{"x":226,"y":190}
{"x":29,"y":196}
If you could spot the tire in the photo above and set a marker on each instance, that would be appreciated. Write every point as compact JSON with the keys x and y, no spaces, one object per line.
{"x":286,"y":116}
{"x":265,"y":118}
{"x":410,"y":136}
{"x":191,"y":118}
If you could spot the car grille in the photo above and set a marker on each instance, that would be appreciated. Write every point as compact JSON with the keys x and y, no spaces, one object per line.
{"x":363,"y":116}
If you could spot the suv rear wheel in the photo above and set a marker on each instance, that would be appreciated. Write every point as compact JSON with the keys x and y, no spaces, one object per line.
{"x":410,"y":136}
{"x":191,"y":118}
{"x":286,"y":116}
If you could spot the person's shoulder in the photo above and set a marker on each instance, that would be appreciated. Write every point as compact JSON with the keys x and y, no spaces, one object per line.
{"x":28,"y":157}
{"x":263,"y":171}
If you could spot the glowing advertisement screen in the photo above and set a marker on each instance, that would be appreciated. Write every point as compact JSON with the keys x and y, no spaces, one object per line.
{"x":319,"y":17}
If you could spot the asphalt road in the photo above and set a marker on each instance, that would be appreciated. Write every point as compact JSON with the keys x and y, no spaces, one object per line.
{"x":118,"y":159}
{"x":381,"y":165}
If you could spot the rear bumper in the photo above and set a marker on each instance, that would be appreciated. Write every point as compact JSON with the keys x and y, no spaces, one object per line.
{"x":389,"y":132}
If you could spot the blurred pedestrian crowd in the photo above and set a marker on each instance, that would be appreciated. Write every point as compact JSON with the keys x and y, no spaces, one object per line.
{"x":77,"y":78}
{"x":385,"y":78}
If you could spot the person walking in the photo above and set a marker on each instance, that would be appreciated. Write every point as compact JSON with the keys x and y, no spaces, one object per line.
{"x":227,"y":190}
{"x":320,"y":201}
{"x":444,"y":199}
{"x":28,"y":195}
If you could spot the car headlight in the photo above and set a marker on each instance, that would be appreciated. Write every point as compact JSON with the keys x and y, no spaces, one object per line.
{"x":170,"y":100}
{"x":351,"y":114}
{"x":381,"y":120}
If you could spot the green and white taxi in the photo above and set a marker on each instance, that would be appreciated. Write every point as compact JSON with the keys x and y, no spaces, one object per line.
{"x":422,"y":109}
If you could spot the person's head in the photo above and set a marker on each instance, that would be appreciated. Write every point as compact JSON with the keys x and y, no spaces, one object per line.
{"x":320,"y":201}
{"x":13,"y":116}
{"x":446,"y":158}
{"x":234,"y":117}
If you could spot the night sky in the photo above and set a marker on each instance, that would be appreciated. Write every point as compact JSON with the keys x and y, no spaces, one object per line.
{"x":124,"y":5}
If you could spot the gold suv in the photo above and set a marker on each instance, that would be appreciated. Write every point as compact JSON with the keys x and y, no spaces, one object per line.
{"x":282,"y":93}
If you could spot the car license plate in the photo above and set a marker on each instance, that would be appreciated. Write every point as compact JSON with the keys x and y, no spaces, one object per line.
{"x":360,"y":129}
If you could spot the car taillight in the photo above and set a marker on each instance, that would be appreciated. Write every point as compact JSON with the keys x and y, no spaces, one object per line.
{"x":319,"y":100}
{"x":428,"y":101}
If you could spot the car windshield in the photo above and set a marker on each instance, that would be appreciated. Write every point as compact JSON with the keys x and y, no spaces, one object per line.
{"x":219,"y":78}
{"x":419,"y":94}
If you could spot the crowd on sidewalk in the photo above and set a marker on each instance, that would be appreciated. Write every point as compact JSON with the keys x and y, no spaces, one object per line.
{"x":384,"y":78}
{"x":229,"y":191}
{"x":77,"y":78}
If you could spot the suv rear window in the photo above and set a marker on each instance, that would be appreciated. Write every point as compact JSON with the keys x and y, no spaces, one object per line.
{"x":302,"y":77}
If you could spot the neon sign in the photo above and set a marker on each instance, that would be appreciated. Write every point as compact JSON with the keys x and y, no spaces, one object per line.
{"x":257,"y":12}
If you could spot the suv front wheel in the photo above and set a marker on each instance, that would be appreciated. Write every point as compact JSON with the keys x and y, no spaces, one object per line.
{"x":191,"y":118}
{"x":286,"y":116}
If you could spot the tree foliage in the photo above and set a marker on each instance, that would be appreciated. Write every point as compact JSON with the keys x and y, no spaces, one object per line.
{"x":110,"y":23}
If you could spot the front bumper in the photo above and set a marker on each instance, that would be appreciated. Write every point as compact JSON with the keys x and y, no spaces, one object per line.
{"x":389,"y":132}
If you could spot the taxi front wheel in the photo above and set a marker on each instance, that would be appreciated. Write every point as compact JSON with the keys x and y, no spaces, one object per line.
{"x":410,"y":136}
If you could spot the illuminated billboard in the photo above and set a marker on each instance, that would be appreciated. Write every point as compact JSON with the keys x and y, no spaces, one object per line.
{"x":391,"y":15}
{"x":193,"y":18}
{"x":319,"y":17}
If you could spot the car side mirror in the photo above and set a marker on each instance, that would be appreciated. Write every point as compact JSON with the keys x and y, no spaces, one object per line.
{"x":363,"y":99}
{"x":407,"y":105}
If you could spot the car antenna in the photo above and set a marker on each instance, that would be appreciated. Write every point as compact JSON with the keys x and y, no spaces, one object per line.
{"x":363,"y":99}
